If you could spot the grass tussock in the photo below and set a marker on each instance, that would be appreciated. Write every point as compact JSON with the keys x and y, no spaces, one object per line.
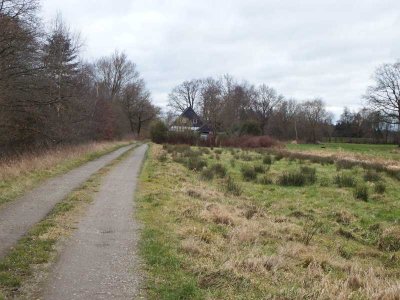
{"x":361,"y":192}
{"x":345,"y":180}
{"x":305,"y":175}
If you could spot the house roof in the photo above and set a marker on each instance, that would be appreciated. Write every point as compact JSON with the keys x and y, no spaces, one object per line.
{"x":190,"y":114}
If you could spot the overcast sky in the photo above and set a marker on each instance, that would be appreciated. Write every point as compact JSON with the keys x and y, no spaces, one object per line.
{"x":305,"y":49}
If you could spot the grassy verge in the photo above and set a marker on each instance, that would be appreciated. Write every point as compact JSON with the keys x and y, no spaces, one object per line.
{"x":22,"y":269}
{"x":23,"y":173}
{"x":232,"y":224}
{"x":167,"y":277}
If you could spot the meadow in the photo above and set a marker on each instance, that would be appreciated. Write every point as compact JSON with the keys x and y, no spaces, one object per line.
{"x":237,"y":224}
{"x":367,"y":150}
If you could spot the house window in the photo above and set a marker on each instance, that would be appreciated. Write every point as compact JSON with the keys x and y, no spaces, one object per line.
{"x":194,"y":121}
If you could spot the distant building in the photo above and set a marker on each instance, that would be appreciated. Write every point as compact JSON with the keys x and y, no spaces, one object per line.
{"x":190,"y":121}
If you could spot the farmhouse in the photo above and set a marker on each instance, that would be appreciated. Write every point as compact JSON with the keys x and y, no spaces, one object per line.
{"x":190,"y":121}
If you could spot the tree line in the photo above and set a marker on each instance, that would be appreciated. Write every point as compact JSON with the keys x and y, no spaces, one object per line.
{"x":241,"y":108}
{"x":49,"y":95}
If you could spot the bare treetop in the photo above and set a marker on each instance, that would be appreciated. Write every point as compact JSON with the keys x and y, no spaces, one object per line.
{"x":185,"y":95}
{"x":385,"y":94}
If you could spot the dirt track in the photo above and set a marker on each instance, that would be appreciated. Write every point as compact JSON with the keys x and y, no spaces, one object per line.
{"x":99,"y":260}
{"x":17,"y":217}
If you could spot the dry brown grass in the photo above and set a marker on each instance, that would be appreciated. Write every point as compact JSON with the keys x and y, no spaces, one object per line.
{"x":23,"y":172}
{"x":30,"y":162}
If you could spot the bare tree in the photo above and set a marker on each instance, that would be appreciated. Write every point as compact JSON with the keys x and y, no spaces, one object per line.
{"x":114,"y":73}
{"x":185,"y":95}
{"x":315,"y":116}
{"x":266,"y":100}
{"x":137,"y":106}
{"x":384,"y":96}
{"x":211,"y":102}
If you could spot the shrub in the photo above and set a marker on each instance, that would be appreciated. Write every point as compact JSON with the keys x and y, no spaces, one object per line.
{"x":267,"y":160}
{"x":250,"y":128}
{"x":185,"y":137}
{"x":232,"y":187}
{"x":248,"y":173}
{"x":361,"y":192}
{"x":380,"y":187}
{"x":219,"y":170}
{"x":159,"y":132}
{"x":195,"y":163}
{"x":218,"y":151}
{"x":372,"y":175}
{"x":345,"y":180}
{"x":207,"y":174}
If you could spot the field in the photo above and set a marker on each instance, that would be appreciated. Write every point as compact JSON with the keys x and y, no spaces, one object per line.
{"x":367,"y":150}
{"x":234,"y":224}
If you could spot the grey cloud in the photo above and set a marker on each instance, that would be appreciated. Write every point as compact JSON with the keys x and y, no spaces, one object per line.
{"x":304,"y":48}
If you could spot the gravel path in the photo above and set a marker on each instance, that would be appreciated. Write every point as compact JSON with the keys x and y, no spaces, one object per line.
{"x":99,"y":261}
{"x":18,"y":216}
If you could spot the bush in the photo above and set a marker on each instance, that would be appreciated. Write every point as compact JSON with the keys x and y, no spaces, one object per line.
{"x":267,"y":160}
{"x":219,"y":170}
{"x":159,"y":132}
{"x":345,"y":180}
{"x":361,"y":192}
{"x":218,"y":151}
{"x":232,"y":187}
{"x":251,"y":128}
{"x":380,"y":187}
{"x":372,"y":175}
{"x":185,"y":137}
{"x":248,"y":173}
